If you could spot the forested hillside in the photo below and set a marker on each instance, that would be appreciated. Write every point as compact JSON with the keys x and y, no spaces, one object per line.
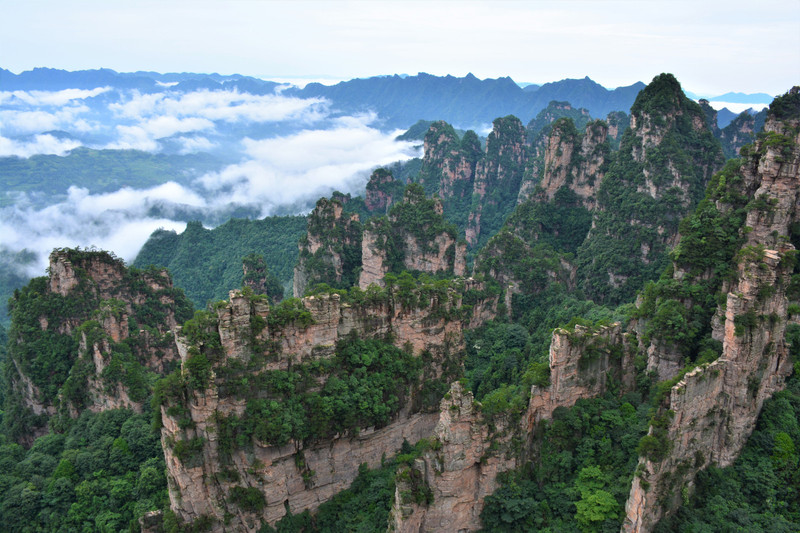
{"x":620,"y":355}
{"x":208,"y":263}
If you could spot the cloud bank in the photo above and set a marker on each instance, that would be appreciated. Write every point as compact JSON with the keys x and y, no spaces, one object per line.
{"x":287,"y":151}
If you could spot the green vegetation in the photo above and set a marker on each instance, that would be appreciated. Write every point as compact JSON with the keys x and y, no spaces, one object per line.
{"x":97,"y":170}
{"x":504,"y":161}
{"x":337,"y":236}
{"x":582,"y":473}
{"x":208,"y":263}
{"x":786,"y":106}
{"x":758,"y":493}
{"x":417,"y":217}
{"x":100,"y":472}
{"x":48,"y":329}
{"x":259,"y":279}
{"x":540,"y":127}
{"x":680,"y":311}
{"x":12,"y":276}
{"x":364,"y":384}
{"x":627,"y":246}
{"x":364,"y":507}
{"x":101,"y":475}
{"x":447,"y":151}
{"x":383,"y":184}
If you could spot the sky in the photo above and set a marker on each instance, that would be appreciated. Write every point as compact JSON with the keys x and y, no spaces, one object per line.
{"x":712,"y":47}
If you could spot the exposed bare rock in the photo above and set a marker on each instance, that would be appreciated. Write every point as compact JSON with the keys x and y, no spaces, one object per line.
{"x":201,"y":490}
{"x":97,"y":299}
{"x":659,"y":175}
{"x":330,"y":250}
{"x":576,"y":161}
{"x":460,"y":470}
{"x":381,"y":191}
{"x":198,"y":487}
{"x":501,"y":169}
{"x":468,"y":451}
{"x":581,"y":362}
{"x":373,"y":260}
{"x":415,"y":232}
{"x":708,"y":415}
{"x":448,"y":166}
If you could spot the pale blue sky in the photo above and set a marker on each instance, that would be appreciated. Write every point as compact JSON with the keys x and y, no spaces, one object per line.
{"x":711,"y":46}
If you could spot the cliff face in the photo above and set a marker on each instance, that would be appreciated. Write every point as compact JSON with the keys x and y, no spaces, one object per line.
{"x":448,"y":166}
{"x":539,"y":127}
{"x":469,"y":451}
{"x":741,"y":131}
{"x":105,"y":326}
{"x":708,"y":415}
{"x":294,"y":474}
{"x":460,"y":470}
{"x":581,"y":363}
{"x":382,"y":191}
{"x":575,"y":161}
{"x":330,"y":251}
{"x":414,"y":237}
{"x":498,"y":177}
{"x":665,"y":161}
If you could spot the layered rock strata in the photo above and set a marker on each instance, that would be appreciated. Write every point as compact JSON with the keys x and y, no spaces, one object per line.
{"x":413,"y":237}
{"x":575,"y":161}
{"x":460,"y":470}
{"x":469,"y":451}
{"x":203,"y":486}
{"x":330,"y":250}
{"x":85,"y":310}
{"x":498,"y":173}
{"x":708,"y":415}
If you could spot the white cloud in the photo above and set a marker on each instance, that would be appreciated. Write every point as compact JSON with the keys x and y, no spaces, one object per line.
{"x":38,"y":121}
{"x":193,"y":145}
{"x":41,"y":144}
{"x":165,"y":126}
{"x":119,"y":221}
{"x":229,"y":106}
{"x":301,"y":167}
{"x":291,"y":170}
{"x":137,"y":105}
{"x":48,"y":98}
{"x":144,"y":136}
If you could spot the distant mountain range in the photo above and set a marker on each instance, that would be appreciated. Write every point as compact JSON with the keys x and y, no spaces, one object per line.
{"x":398,"y":100}
{"x":466,"y":102}
{"x":49,"y":79}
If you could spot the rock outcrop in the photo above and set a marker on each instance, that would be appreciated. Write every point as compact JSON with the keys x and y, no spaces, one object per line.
{"x":582,"y":361}
{"x":448,"y":166}
{"x":741,"y":131}
{"x":468,"y":451}
{"x":382,"y":191}
{"x":576,"y":161}
{"x":460,"y":470}
{"x":297,"y":475}
{"x":665,"y":161}
{"x":414,"y":237}
{"x":709,"y":413}
{"x":330,"y":251}
{"x":498,"y":177}
{"x":105,"y":324}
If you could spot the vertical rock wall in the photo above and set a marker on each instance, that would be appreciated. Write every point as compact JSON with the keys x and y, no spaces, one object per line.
{"x":709,"y":414}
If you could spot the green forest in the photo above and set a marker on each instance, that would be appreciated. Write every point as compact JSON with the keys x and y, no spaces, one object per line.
{"x":657,"y":265}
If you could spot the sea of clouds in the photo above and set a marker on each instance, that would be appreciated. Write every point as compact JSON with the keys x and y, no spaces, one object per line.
{"x":277,"y":154}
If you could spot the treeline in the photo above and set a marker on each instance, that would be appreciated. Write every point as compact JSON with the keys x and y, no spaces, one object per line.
{"x":207,"y":263}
